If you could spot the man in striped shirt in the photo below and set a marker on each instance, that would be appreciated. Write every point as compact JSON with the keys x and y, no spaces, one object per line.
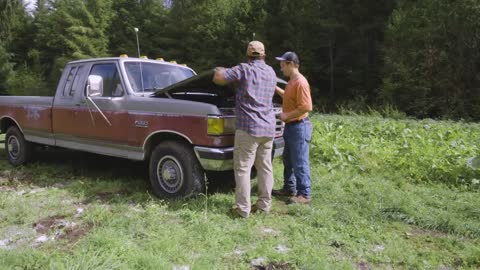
{"x":254,"y":83}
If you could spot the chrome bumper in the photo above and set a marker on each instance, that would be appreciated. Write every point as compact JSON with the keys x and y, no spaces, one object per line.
{"x":215,"y":159}
{"x":221,"y":159}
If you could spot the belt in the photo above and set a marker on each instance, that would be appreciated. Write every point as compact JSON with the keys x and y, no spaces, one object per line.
{"x":306,"y":119}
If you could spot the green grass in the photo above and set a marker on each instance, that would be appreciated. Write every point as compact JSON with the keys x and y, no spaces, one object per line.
{"x":386,"y":194}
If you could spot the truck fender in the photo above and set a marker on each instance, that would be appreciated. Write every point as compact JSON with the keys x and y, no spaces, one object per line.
{"x":6,"y":122}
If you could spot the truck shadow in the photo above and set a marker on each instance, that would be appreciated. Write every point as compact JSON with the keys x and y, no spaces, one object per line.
{"x":52,"y":166}
{"x":82,"y":164}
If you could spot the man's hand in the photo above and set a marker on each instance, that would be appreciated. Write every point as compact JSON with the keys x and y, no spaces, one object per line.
{"x":218,"y":76}
{"x":283,"y":116}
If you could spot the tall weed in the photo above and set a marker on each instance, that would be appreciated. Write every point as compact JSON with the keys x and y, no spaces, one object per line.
{"x":423,"y":151}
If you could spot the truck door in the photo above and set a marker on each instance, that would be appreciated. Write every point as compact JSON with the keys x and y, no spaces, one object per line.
{"x":108,"y":128}
{"x":87,"y":128}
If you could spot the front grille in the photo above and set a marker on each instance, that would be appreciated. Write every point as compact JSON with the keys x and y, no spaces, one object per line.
{"x":279,"y":125}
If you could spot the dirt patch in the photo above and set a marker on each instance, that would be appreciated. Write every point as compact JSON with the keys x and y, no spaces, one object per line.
{"x":106,"y":196}
{"x":61,"y":229}
{"x":274,"y":266}
{"x":6,"y":188}
{"x":16,"y":176}
{"x":74,"y":233}
{"x":362,"y":266}
{"x":43,"y":226}
{"x":419,"y":232}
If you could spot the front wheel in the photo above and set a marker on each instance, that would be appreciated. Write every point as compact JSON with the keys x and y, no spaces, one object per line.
{"x":175,"y":171}
{"x":18,"y":150}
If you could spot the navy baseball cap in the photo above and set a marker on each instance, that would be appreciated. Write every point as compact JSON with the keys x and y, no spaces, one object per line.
{"x":289,"y":56}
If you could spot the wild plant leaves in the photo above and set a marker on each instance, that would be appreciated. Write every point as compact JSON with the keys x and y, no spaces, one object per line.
{"x":421,"y":151}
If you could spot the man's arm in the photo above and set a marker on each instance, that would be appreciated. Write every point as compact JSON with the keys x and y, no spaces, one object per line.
{"x":219,"y":76}
{"x":285,"y":117}
{"x":303,"y":104}
{"x":279,"y":91}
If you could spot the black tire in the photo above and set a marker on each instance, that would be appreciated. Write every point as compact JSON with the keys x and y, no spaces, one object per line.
{"x":224,"y":181}
{"x":220,"y":181}
{"x":19,"y":151}
{"x":175,"y":171}
{"x":227,"y":177}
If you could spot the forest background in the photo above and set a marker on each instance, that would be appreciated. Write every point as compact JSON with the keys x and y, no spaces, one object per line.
{"x":419,"y":58}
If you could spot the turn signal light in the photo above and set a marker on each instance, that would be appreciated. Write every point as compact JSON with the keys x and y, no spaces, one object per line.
{"x":216,"y":126}
{"x":221,"y":125}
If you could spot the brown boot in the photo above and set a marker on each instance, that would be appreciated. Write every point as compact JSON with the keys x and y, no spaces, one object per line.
{"x":282,"y":192}
{"x":299,"y":199}
{"x":237,"y":213}
{"x":257,"y":210}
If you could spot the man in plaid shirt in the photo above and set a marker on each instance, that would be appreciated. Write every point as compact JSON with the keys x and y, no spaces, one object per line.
{"x":254,"y":83}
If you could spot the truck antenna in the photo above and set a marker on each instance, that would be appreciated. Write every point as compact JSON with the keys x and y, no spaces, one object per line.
{"x":253,"y":36}
{"x":138,"y":44}
{"x":138,"y":50}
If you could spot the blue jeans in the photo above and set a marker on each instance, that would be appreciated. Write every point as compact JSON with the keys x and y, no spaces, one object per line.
{"x":296,"y":167}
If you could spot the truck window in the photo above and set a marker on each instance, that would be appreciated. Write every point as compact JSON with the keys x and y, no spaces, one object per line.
{"x":76,"y":85}
{"x":154,"y":75}
{"x":70,"y":78}
{"x":112,"y":86}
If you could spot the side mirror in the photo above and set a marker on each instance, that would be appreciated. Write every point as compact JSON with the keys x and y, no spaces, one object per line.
{"x":95,"y":86}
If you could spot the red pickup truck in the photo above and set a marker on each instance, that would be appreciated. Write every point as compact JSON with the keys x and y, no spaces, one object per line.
{"x":139,"y":109}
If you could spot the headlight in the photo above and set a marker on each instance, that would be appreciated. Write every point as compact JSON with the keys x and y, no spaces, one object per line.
{"x":221,"y":125}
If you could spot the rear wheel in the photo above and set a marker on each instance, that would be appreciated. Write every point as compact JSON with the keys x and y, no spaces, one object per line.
{"x":175,"y":171}
{"x":19,"y":151}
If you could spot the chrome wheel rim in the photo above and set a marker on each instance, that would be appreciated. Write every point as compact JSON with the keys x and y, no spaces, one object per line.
{"x":170,"y":174}
{"x":13,"y":147}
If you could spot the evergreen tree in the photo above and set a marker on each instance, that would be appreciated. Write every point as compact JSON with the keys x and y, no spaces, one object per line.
{"x":71,"y":29}
{"x":13,"y":20}
{"x":433,"y":59}
{"x":5,"y":69}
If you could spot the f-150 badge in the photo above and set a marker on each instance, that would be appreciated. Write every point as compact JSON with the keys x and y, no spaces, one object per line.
{"x":141,"y":123}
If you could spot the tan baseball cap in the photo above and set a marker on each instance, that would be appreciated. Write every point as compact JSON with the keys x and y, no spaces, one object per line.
{"x":255,"y":48}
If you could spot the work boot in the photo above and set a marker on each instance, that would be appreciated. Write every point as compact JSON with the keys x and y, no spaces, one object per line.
{"x":257,"y":210}
{"x":237,"y":213}
{"x":300,"y":199}
{"x":283,"y":193}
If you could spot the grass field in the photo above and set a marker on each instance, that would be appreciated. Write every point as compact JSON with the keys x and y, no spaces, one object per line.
{"x":387,"y":194}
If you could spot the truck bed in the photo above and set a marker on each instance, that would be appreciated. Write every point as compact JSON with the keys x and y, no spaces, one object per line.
{"x":32,"y":114}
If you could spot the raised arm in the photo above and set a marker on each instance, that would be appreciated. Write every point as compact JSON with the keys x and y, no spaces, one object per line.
{"x":279,"y":91}
{"x":219,"y":76}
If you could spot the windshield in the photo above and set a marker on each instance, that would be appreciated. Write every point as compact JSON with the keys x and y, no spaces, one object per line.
{"x":155,"y":76}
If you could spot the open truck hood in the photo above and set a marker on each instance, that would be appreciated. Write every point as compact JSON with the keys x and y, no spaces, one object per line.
{"x":201,"y":83}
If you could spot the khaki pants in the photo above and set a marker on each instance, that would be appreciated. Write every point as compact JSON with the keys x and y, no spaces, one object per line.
{"x":250,"y":150}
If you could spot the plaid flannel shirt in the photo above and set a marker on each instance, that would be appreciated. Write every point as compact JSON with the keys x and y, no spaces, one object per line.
{"x":255,"y":83}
